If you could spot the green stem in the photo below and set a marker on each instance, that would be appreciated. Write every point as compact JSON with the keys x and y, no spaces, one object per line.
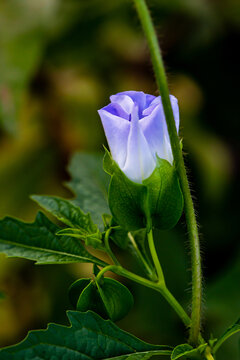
{"x":153,"y":285}
{"x":149,"y":272}
{"x":208,"y":354}
{"x":108,"y":248}
{"x":161,"y":80}
{"x":156,"y":261}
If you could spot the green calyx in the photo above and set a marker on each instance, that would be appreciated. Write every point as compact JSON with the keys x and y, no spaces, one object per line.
{"x":107,"y":297}
{"x":159,"y":197}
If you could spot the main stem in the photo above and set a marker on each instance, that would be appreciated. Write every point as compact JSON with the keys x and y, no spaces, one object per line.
{"x":161,"y":79}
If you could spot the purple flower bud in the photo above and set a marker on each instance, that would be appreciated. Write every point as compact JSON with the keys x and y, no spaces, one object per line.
{"x":136,"y":131}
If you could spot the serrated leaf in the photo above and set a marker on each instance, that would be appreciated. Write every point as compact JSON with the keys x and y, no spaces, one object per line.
{"x":187,"y":351}
{"x":234,"y":329}
{"x":66,"y":212}
{"x":89,"y":183}
{"x":81,"y":224}
{"x":88,"y":337}
{"x":38,"y":241}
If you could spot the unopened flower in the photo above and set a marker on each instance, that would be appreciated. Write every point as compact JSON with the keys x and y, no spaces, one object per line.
{"x":136,"y":131}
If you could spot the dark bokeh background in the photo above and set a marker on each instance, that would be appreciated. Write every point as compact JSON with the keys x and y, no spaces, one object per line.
{"x":59,"y":63}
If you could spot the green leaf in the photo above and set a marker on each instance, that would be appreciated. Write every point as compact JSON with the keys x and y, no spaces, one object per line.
{"x":108,"y":297}
{"x":93,"y":240}
{"x":89,"y":299}
{"x":89,"y":183}
{"x":166,"y":199}
{"x":88,"y":337}
{"x":81,"y":224}
{"x":116,"y":297}
{"x":66,"y":212}
{"x":187,"y":351}
{"x":234,"y":329}
{"x":38,"y":241}
{"x":76,"y":288}
{"x":126,"y":198}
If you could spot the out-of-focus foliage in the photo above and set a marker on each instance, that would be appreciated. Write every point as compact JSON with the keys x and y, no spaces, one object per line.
{"x":59,"y":62}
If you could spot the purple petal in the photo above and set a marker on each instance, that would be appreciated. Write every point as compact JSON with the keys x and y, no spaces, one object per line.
{"x":154,"y":128}
{"x":117,"y":131}
{"x":116,"y":109}
{"x":139,"y":98}
{"x":140,"y":162}
{"x":124,"y":101}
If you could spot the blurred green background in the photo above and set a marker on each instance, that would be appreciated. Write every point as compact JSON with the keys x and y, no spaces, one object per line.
{"x":59,"y":62}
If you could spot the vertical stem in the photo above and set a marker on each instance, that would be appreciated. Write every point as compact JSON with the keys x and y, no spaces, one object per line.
{"x":151,"y":274}
{"x":161,"y":80}
{"x":155,"y":258}
{"x":108,"y":248}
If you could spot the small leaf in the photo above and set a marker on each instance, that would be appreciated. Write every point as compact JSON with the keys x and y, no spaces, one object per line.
{"x":38,"y":241}
{"x":87,"y":337}
{"x":234,"y":329}
{"x":93,"y":240}
{"x":90,"y":299}
{"x":116,"y":297}
{"x":75,"y":290}
{"x":89,"y":183}
{"x":108,"y":297}
{"x":186,"y":350}
{"x":66,"y":212}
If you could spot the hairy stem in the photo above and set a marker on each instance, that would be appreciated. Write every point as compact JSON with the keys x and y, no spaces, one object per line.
{"x":161,"y":80}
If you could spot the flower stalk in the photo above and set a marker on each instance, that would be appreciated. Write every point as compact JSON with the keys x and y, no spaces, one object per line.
{"x":162,"y":289}
{"x":161,"y":80}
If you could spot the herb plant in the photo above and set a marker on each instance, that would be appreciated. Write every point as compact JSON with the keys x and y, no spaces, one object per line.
{"x":143,"y":186}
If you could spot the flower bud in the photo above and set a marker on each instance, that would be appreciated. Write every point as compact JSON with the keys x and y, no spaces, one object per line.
{"x":136,"y":131}
{"x":144,"y":190}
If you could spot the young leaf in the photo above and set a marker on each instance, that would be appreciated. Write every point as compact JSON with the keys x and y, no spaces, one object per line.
{"x":108,"y":298}
{"x":38,"y":241}
{"x":89,"y":183}
{"x":93,"y":240}
{"x":234,"y":329}
{"x":88,"y":337}
{"x":186,"y":350}
{"x":66,"y":212}
{"x":116,"y":297}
